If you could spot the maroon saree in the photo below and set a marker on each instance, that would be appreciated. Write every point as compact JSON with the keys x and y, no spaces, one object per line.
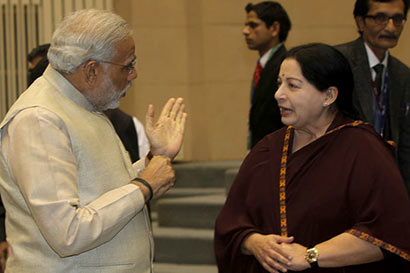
{"x":345,"y":181}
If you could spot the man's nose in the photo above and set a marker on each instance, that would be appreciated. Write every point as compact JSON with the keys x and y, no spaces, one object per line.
{"x":133,"y":75}
{"x":390,"y":26}
{"x":245,"y":30}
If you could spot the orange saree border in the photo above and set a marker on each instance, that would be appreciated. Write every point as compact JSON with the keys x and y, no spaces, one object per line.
{"x":282,"y":177}
{"x":379,"y":243}
{"x":282,"y":198}
{"x":282,"y":185}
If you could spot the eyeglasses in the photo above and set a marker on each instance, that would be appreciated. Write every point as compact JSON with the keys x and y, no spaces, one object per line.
{"x":383,"y":19}
{"x":128,"y":67}
{"x":252,"y":24}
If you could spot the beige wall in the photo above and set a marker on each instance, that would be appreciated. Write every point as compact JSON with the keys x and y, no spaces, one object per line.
{"x":195,"y":49}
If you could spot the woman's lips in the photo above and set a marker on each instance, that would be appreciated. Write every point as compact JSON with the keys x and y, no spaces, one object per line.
{"x":284,"y":111}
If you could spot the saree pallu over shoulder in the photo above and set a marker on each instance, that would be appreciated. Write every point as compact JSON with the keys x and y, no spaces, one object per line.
{"x":282,"y":179}
{"x":345,"y":180}
{"x":282,"y":197}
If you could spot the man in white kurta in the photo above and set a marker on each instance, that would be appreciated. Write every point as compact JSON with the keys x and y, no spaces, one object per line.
{"x":66,"y":181}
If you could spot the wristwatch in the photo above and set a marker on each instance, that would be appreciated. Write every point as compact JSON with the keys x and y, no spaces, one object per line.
{"x":311,"y":257}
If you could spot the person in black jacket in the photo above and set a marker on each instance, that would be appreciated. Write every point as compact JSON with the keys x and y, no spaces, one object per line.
{"x":266,"y":28}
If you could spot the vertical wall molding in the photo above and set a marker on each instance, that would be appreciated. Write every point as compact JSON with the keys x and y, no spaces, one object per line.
{"x":25,"y":24}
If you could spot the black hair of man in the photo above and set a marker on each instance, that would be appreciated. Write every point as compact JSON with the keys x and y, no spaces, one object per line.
{"x":35,"y":72}
{"x":361,"y":7}
{"x":269,"y":12}
{"x":39,"y":51}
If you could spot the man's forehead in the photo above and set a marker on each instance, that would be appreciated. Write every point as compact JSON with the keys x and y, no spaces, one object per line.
{"x":253,"y":18}
{"x":395,"y":6}
{"x":126,"y":48}
{"x":252,"y":15}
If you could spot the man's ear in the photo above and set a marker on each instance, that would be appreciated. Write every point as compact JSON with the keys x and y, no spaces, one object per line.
{"x":275,"y":29}
{"x":330,"y":95}
{"x":91,"y":70}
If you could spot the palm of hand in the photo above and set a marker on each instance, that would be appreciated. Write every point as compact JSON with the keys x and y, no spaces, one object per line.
{"x":166,"y":135}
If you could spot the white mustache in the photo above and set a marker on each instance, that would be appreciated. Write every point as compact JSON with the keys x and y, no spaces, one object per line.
{"x":125,"y":89}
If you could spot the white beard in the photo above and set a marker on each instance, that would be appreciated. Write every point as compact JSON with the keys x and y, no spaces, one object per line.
{"x":114,"y":102}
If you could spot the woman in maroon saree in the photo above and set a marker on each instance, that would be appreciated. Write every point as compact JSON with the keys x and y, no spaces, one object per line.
{"x":323,"y":194}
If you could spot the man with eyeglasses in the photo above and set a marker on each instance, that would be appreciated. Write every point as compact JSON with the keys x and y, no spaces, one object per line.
{"x":129,"y":128}
{"x":74,"y":200}
{"x":382,"y":83}
{"x":266,"y":28}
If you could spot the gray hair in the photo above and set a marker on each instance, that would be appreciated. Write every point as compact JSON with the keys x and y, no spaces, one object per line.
{"x":86,"y":35}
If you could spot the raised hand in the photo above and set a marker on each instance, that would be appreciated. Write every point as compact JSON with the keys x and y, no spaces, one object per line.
{"x":166,"y":135}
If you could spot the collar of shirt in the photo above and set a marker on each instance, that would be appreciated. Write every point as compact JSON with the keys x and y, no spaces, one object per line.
{"x":266,"y":57}
{"x":67,"y":89}
{"x":373,"y":60}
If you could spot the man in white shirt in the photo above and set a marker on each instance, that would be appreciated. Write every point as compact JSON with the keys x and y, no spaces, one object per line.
{"x":74,"y":200}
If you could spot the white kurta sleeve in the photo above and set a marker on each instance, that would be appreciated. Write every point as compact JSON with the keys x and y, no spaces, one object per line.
{"x":39,"y":155}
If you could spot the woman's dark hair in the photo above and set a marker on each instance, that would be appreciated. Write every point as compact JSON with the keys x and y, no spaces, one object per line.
{"x":269,"y":12}
{"x":324,"y":66}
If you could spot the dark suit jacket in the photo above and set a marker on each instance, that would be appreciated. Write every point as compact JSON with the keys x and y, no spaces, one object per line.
{"x":399,"y":98}
{"x":125,"y":128}
{"x":264,"y":115}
